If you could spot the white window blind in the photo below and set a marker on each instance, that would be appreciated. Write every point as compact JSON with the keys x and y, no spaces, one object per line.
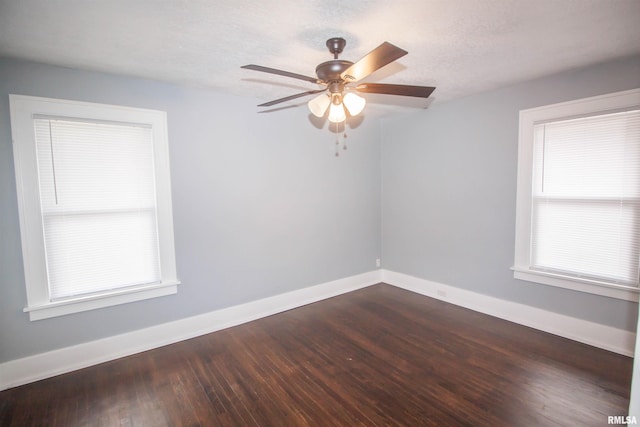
{"x":98,"y":201}
{"x":585,"y":218}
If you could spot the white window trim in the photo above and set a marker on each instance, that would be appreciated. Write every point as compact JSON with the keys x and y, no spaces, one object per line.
{"x":572,"y":109}
{"x":23,"y":110}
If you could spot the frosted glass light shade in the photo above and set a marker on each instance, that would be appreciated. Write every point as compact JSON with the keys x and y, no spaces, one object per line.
{"x":354,"y":103}
{"x":318,"y":105}
{"x":336,"y":113}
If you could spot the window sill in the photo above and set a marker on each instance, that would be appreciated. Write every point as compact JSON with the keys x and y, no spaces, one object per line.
{"x":77,"y":305}
{"x":622,"y":292}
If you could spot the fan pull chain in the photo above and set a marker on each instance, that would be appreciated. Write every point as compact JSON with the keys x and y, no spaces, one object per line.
{"x":344,"y":138}
{"x":337,"y":142}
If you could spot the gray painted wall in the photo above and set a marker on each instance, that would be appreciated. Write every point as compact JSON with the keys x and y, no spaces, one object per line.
{"x":261,"y":205}
{"x":449,"y":191}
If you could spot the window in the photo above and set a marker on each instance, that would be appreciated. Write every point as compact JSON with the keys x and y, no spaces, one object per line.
{"x":578,"y":203}
{"x":95,"y":204}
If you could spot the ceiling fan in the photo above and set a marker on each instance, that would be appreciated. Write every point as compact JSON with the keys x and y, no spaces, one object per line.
{"x":336,"y":76}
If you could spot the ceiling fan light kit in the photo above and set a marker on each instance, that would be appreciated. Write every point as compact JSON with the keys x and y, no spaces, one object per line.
{"x":336,"y":111}
{"x":319,"y":105}
{"x":336,"y":75}
{"x":354,"y":103}
{"x":336,"y":104}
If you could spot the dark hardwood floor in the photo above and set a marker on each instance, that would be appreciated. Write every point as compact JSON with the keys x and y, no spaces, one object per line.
{"x":379,"y":356}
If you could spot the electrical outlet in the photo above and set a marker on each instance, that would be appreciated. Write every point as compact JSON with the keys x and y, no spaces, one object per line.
{"x":378,"y":262}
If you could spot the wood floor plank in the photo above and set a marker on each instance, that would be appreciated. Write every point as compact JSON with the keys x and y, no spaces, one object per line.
{"x":379,"y":356}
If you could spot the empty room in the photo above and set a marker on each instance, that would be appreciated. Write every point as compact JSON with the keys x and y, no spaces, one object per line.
{"x":319,"y":213}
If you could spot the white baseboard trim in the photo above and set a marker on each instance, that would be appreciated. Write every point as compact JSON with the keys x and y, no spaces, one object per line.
{"x":56,"y":362}
{"x":597,"y":335}
{"x":52,"y":363}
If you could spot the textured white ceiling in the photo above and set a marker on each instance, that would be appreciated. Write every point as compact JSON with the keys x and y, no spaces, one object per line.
{"x":460,"y":46}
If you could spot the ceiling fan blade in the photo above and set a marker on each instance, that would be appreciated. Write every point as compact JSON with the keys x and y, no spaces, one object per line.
{"x":389,"y":89}
{"x":372,"y":61}
{"x":281,"y":73}
{"x":289,"y":98}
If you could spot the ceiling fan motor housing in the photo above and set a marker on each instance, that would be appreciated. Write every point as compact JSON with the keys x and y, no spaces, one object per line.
{"x":331,"y":70}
